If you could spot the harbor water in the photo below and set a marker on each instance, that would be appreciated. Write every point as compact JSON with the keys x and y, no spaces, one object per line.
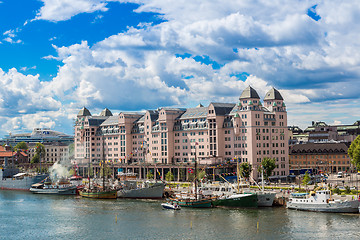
{"x":29,"y":216}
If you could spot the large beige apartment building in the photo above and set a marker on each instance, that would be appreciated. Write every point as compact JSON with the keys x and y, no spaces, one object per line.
{"x":247,"y":131}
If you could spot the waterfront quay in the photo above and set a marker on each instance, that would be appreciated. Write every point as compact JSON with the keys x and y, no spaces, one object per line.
{"x":25,"y":215}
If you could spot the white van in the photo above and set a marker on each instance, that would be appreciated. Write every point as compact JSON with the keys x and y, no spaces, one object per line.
{"x":340,"y":175}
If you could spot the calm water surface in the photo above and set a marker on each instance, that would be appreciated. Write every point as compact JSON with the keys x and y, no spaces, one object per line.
{"x":28,"y":216}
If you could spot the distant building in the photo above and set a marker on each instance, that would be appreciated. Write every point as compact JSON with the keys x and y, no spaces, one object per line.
{"x":322,"y":132}
{"x":54,"y":152}
{"x":14,"y":158}
{"x":44,"y":135}
{"x":297,"y":136}
{"x":325,"y":157}
{"x":168,"y":138}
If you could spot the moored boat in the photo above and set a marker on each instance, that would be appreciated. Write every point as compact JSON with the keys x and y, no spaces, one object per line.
{"x":237,"y":200}
{"x":193,"y":203}
{"x":321,"y":201}
{"x":57,"y":189}
{"x":111,"y":194}
{"x":11,"y":179}
{"x":145,"y":190}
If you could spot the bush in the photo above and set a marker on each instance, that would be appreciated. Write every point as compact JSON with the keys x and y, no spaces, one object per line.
{"x":336,"y":190}
{"x":354,"y":192}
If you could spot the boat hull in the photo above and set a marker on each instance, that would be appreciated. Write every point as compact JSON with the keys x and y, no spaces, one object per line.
{"x":99,"y":195}
{"x":155,"y":191}
{"x":204,"y":203}
{"x":335,"y":207}
{"x":59,"y":191}
{"x":238,"y":200}
{"x":170,"y":206}
{"x":23,"y":184}
{"x":265,"y":199}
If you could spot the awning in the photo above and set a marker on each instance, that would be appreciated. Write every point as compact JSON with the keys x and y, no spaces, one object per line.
{"x":19,"y":174}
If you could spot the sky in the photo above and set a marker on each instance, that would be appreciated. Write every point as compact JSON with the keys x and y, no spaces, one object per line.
{"x":59,"y":56}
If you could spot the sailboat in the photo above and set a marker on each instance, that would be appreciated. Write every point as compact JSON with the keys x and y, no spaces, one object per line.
{"x":196,"y":200}
{"x":237,"y":198}
{"x":96,"y":191}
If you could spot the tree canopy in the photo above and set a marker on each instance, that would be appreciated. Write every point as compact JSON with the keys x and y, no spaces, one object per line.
{"x":354,"y":152}
{"x":169,"y":176}
{"x":306,"y":179}
{"x":245,"y":170}
{"x":268,"y":165}
{"x":21,"y":146}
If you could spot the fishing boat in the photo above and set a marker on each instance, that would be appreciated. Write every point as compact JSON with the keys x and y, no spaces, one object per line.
{"x":237,"y":200}
{"x":233,"y":197}
{"x":194,"y":200}
{"x":321,"y":201}
{"x":264,"y":198}
{"x":171,"y":206}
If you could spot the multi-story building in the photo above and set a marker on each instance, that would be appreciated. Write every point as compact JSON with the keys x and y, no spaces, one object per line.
{"x":170,"y":138}
{"x":54,"y":152}
{"x":325,"y":157}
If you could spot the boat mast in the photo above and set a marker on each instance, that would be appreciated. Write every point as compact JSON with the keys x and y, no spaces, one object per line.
{"x":262,"y":178}
{"x":238,"y":175}
{"x":103,"y":165}
{"x":196,"y":174}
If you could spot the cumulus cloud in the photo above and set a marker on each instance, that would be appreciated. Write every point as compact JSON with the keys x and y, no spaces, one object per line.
{"x":24,"y":94}
{"x":54,"y":10}
{"x":208,"y":50}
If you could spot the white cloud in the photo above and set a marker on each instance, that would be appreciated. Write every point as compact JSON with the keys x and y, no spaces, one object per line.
{"x":10,"y":35}
{"x":276,"y":43}
{"x":54,"y":10}
{"x":24,"y":93}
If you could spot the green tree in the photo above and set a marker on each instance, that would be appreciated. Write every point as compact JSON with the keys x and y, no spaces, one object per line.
{"x":201,"y":175}
{"x":169,"y":176}
{"x":150,"y":175}
{"x":39,"y":149}
{"x":245,"y":170}
{"x":105,"y":169}
{"x":306,"y":179}
{"x":354,"y":152}
{"x":35,"y":158}
{"x":268,"y":165}
{"x":21,"y":146}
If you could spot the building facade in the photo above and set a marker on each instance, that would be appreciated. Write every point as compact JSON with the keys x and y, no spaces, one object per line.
{"x":54,"y":152}
{"x":172,"y":138}
{"x":325,"y":157}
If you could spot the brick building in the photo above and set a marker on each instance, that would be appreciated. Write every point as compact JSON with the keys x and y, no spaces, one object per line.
{"x":325,"y":157}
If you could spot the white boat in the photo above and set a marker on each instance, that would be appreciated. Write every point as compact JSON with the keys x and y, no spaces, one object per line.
{"x":171,"y":206}
{"x":146,"y":190}
{"x":58,"y":188}
{"x":321,"y":201}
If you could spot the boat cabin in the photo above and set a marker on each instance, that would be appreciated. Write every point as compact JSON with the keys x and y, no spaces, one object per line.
{"x":321,"y":196}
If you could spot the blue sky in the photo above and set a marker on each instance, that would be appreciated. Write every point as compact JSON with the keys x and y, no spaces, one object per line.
{"x":58,"y":56}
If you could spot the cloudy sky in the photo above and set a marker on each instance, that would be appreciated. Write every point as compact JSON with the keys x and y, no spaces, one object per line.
{"x":58,"y":56}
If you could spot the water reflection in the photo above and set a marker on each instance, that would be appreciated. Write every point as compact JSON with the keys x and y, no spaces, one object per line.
{"x":53,"y":217}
